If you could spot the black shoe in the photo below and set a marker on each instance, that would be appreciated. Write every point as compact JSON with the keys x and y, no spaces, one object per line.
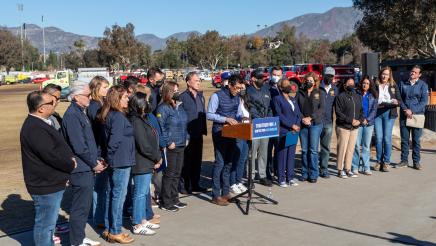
{"x":181,"y":205}
{"x":170,"y":208}
{"x":265,"y":182}
{"x":417,"y":166}
{"x":302,"y":179}
{"x":325,"y":176}
{"x":312,"y":181}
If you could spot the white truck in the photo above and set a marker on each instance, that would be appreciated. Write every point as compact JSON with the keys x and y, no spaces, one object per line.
{"x":87,"y":74}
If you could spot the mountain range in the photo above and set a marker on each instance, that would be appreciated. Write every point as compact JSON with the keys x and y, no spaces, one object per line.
{"x":332,"y":25}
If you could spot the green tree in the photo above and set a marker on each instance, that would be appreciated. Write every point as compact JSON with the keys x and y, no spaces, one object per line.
{"x":398,"y":29}
{"x":207,"y":50}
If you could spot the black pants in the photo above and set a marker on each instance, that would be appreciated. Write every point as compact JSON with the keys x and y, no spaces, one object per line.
{"x":82,"y":186}
{"x":192,"y":163}
{"x":171,"y":177}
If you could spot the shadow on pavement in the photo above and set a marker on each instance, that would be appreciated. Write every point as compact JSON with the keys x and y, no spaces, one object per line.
{"x":399,"y":238}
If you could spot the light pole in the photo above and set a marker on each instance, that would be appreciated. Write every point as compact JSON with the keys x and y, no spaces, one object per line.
{"x":20,"y":7}
{"x":43,"y":39}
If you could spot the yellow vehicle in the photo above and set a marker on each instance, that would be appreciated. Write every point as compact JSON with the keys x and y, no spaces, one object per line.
{"x":10,"y":79}
{"x":62,"y":78}
{"x":169,"y":74}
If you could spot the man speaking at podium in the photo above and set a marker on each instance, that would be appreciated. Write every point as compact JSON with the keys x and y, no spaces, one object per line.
{"x":222,"y":109}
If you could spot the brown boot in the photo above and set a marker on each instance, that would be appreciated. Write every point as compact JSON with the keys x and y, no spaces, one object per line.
{"x":220,"y":201}
{"x":227,"y":197}
{"x":377,"y":166}
{"x":385,"y":167}
{"x":122,"y":238}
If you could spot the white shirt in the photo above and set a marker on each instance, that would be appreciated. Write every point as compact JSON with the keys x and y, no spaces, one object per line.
{"x":45,"y":120}
{"x":242,"y":111}
{"x":384,"y":96}
{"x":292,"y":104}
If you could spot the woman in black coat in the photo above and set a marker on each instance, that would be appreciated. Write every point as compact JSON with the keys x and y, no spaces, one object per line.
{"x":147,"y":157}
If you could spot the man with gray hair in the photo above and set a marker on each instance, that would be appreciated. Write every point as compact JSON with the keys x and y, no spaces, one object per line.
{"x":77,"y":131}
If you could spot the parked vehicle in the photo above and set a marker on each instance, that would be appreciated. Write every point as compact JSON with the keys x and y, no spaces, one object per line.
{"x":297,"y":72}
{"x":216,"y":80}
{"x":11,"y":79}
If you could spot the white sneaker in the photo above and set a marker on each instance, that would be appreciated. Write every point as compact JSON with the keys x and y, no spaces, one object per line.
{"x":150,"y":225}
{"x":283,"y":185}
{"x":89,"y":242}
{"x":142,"y":230}
{"x":242,"y":187}
{"x":293,"y":183}
{"x":235,"y":189}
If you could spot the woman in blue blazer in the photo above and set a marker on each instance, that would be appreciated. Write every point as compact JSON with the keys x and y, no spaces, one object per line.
{"x":286,"y":108}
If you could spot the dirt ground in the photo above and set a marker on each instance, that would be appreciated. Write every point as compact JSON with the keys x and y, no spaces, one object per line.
{"x":16,"y":211}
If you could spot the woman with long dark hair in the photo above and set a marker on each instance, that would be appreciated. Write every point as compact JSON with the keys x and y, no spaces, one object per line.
{"x":148,"y":158}
{"x":174,"y":122}
{"x":120,"y":155}
{"x":366,"y":88}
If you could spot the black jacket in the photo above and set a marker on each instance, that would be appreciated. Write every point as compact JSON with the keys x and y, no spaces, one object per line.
{"x":312,"y":105}
{"x":348,"y":106}
{"x":146,"y":144}
{"x":259,"y":101}
{"x":46,"y":157}
{"x":394,"y":91}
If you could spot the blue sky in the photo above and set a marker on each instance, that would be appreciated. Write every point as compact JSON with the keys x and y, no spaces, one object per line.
{"x":161,"y":17}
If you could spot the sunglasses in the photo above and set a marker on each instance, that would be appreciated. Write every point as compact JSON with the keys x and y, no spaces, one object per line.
{"x":47,"y":103}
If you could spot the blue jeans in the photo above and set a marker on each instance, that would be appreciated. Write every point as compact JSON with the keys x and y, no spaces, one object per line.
{"x":149,"y":214}
{"x":117,"y":190}
{"x":99,"y":198}
{"x":309,"y":138}
{"x":324,"y":154}
{"x":383,"y":133}
{"x":140,"y":192}
{"x":46,"y":214}
{"x":237,"y":170}
{"x":363,"y":139}
{"x":224,"y":150}
{"x":416,"y":142}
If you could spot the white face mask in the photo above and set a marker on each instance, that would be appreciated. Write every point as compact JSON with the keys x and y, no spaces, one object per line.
{"x":275,"y":79}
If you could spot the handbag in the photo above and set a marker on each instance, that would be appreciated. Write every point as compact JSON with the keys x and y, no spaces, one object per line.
{"x":417,"y":121}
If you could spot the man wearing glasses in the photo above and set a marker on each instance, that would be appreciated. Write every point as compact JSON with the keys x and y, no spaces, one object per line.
{"x":47,"y":164}
{"x":55,"y":92}
{"x":77,"y":131}
{"x":222,"y":109}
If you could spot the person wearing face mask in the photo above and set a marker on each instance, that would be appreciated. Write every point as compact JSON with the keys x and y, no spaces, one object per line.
{"x":174,"y":122}
{"x":388,"y":100}
{"x":414,"y":94}
{"x":349,"y":116}
{"x":193,"y":103}
{"x":311,"y":101}
{"x":77,"y":131}
{"x":223,"y":109}
{"x":259,"y":100}
{"x":288,"y":111}
{"x":155,"y":78}
{"x":366,"y":89}
{"x":330,"y":92}
{"x":276,"y":76}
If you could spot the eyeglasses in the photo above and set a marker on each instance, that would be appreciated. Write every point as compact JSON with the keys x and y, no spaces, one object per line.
{"x":57,"y":98}
{"x":47,"y":103}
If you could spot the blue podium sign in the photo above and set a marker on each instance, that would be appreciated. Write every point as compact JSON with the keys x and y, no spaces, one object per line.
{"x":265,"y":127}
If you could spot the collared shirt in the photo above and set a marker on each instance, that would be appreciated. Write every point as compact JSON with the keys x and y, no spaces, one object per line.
{"x":292,"y":104}
{"x":49,"y":122}
{"x":211,"y":110}
{"x":384,"y":96}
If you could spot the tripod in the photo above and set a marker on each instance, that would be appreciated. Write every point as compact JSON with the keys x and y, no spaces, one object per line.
{"x":250,"y":189}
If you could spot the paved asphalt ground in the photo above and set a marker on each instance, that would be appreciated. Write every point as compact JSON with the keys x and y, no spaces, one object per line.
{"x":398,"y":207}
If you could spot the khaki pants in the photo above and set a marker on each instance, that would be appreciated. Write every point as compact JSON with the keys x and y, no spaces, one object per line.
{"x":346,"y":143}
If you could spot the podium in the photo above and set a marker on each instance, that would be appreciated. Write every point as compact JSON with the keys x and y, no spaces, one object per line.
{"x":259,"y":128}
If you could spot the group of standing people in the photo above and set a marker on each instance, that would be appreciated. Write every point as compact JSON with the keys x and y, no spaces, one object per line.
{"x":114,"y":142}
{"x":110,"y":145}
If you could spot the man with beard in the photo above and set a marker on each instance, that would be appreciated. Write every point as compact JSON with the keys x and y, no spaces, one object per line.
{"x":155,"y":78}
